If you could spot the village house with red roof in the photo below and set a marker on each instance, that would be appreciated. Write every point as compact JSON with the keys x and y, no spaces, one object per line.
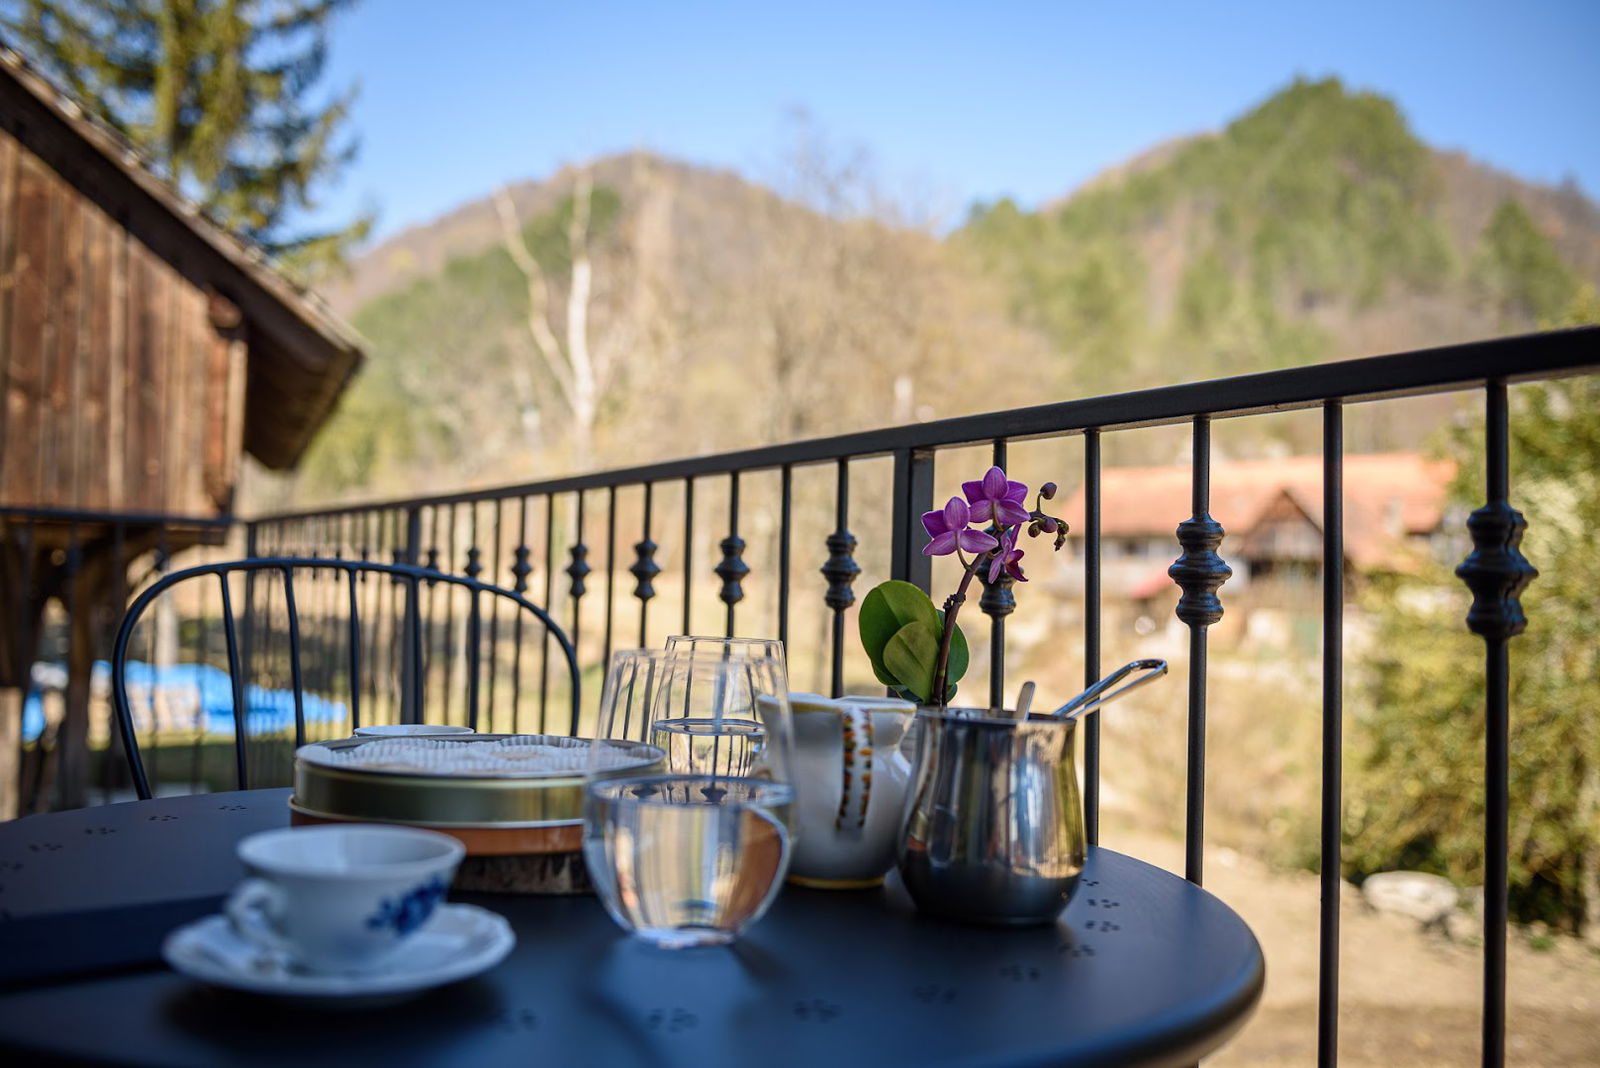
{"x":1395,"y":507}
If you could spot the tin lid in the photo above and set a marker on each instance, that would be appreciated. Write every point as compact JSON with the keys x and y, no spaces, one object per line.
{"x":481,"y":780}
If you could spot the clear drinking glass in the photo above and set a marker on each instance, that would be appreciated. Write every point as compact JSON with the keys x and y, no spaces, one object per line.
{"x":692,"y":849}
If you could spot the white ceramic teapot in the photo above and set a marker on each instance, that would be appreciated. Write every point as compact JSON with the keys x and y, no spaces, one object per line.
{"x":851,"y":779}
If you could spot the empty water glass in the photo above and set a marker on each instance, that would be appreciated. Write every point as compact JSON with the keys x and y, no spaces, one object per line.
{"x":692,"y":849}
{"x":708,"y":714}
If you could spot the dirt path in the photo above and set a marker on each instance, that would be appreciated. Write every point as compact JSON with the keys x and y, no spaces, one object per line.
{"x":1408,"y":998}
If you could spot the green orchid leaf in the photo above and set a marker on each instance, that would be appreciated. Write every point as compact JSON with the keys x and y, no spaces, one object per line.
{"x":911,"y":654}
{"x":886,"y":609}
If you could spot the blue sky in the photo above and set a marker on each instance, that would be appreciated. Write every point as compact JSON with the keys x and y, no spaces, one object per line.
{"x":955,"y":102}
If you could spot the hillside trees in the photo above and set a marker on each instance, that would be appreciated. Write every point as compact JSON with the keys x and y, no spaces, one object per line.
{"x":1518,"y":269}
{"x":1417,"y":796}
{"x":220,"y":93}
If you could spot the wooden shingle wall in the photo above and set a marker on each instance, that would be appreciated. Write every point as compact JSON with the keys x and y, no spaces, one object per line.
{"x":119,"y":392}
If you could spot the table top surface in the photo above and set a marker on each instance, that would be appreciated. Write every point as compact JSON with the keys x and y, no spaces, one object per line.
{"x":1141,"y":968}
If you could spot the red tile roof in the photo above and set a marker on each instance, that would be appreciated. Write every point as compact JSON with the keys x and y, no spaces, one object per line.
{"x":1386,"y":496}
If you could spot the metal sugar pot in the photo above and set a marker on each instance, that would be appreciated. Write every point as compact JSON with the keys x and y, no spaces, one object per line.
{"x":994,"y":830}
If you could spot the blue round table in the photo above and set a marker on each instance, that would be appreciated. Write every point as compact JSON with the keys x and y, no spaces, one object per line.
{"x":1142,"y":968}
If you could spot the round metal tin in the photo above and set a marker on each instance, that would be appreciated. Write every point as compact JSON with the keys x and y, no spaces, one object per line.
{"x":551,"y":799}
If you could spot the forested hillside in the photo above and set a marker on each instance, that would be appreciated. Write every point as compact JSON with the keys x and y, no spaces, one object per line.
{"x":1315,"y":227}
{"x":713,"y":313}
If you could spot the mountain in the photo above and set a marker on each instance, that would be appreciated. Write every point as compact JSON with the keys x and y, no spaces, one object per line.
{"x":1317,"y":226}
{"x":718,"y":313}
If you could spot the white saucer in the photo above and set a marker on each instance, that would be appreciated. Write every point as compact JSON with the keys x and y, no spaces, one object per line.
{"x":459,"y":941}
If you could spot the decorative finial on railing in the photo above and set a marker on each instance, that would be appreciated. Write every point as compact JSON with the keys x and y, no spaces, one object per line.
{"x":1496,"y":571}
{"x":645,"y":569}
{"x":1199,"y":572}
{"x":474,"y":563}
{"x":840,"y":570}
{"x":521,"y":569}
{"x":732,"y":570}
{"x":997,"y":601}
{"x":579,"y":569}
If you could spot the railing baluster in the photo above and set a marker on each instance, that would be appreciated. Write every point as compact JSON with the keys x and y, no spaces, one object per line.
{"x":1091,"y":629}
{"x":519,"y":573}
{"x":997,"y":602}
{"x":1332,"y":862}
{"x":732,"y":569}
{"x":688,"y":555}
{"x":611,"y":572}
{"x":411,"y":706}
{"x":447,"y":640}
{"x":913,"y":495}
{"x":840,"y":570}
{"x":578,"y":572}
{"x":354,"y":625}
{"x":473,"y":569}
{"x":645,"y":568}
{"x":474,"y":657}
{"x":1198,"y":572}
{"x":494,"y":612}
{"x":549,"y":597}
{"x":1496,"y":572}
{"x":785,"y":521}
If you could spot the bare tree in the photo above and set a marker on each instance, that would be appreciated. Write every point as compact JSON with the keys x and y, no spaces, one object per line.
{"x":571,"y":366}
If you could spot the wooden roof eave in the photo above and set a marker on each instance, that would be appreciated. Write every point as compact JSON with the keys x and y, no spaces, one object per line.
{"x":302,"y":338}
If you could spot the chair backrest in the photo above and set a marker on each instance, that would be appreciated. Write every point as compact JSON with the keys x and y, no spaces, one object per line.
{"x":383,"y":627}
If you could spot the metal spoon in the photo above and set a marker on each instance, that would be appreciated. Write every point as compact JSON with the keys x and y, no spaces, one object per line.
{"x":1024,"y":699}
{"x":1091,"y":699}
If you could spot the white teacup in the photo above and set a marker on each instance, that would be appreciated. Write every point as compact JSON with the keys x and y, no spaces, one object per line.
{"x":408,"y":730}
{"x":340,"y":898}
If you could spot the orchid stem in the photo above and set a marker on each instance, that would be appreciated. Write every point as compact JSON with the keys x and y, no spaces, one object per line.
{"x":952,"y":605}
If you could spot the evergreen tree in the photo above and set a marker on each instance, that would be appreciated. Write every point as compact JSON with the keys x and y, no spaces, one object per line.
{"x":1519,"y":269}
{"x":218,"y":93}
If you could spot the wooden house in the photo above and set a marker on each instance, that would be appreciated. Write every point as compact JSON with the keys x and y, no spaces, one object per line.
{"x":1395,"y":507}
{"x":143,"y":350}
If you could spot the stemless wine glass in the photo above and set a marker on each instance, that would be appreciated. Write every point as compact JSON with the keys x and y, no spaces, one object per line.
{"x":691,"y":850}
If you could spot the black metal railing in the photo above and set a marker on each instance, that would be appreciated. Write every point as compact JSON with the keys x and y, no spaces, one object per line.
{"x":456,"y":530}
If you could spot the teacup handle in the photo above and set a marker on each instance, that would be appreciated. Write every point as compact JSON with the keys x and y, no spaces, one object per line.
{"x":254,"y":909}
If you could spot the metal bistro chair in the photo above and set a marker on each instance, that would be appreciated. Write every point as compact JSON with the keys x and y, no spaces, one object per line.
{"x":408,"y":643}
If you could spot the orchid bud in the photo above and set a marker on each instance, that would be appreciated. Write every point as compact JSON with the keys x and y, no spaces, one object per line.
{"x":1046,"y":524}
{"x":1048,"y":491}
{"x":1033,"y":529}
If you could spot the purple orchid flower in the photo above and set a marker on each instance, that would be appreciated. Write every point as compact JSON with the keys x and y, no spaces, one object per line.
{"x":950,"y":527}
{"x":1008,"y":559}
{"x":996,"y":500}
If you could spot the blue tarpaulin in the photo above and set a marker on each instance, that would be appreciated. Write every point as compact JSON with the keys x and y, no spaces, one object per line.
{"x":208,"y":688}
